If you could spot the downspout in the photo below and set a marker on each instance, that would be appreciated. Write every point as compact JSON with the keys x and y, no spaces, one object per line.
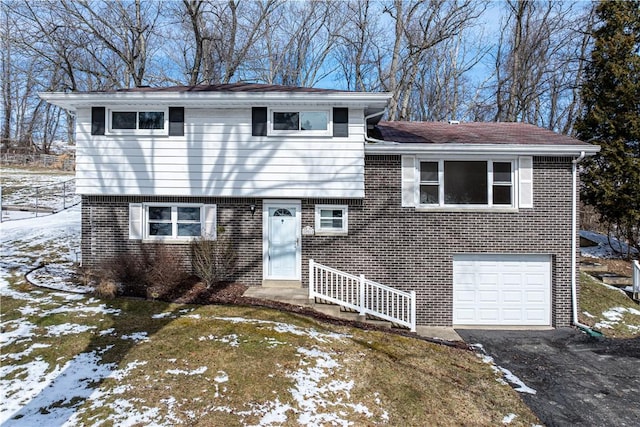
{"x":367,"y":138}
{"x":574,"y":238}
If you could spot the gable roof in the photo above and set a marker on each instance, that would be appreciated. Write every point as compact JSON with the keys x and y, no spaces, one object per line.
{"x":474,"y":138}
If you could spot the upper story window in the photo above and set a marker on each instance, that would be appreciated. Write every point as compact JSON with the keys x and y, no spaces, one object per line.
{"x":138,"y":122}
{"x":300,"y":122}
{"x":459,"y":183}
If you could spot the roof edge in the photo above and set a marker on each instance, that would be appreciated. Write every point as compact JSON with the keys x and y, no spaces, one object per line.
{"x":561,"y":150}
{"x":73,"y":100}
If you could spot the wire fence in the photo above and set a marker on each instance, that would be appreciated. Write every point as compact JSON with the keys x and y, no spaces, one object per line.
{"x":64,"y":162}
{"x":40,"y":200}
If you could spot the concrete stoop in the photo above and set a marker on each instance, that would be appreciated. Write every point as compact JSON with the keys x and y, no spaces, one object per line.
{"x":300,"y":297}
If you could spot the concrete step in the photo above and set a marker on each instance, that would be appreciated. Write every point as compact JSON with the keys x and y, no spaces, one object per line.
{"x":300,"y":297}
{"x":295,"y":296}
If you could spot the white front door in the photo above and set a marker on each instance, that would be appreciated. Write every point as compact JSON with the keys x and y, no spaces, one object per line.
{"x":281,"y":222}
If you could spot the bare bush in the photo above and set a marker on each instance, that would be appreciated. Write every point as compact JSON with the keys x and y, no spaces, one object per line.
{"x":165,"y":272}
{"x":213,"y":261}
{"x":153,"y":273}
{"x":107,"y":288}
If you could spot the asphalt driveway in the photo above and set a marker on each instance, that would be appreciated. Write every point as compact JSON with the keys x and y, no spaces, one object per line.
{"x":578,"y":380}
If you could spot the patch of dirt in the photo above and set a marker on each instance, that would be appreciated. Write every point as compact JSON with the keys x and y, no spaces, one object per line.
{"x":618,"y":266}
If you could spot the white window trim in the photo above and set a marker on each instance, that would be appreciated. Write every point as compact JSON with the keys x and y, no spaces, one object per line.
{"x":463,"y":207}
{"x":147,"y":132}
{"x":320,"y":231}
{"x":174,"y":238}
{"x":273,"y":132}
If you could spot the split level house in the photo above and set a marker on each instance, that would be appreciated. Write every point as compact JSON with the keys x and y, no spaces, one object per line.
{"x":478,"y":219}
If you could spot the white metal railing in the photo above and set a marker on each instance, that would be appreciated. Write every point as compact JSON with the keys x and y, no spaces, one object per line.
{"x":363,"y":295}
{"x":636,"y":279}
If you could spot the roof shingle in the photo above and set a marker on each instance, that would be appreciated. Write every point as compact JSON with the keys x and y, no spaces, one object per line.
{"x":472,"y":133}
{"x":230,"y":87}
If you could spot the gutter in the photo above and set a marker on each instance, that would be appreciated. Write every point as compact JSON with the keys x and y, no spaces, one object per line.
{"x":367,"y":138}
{"x":389,"y":147}
{"x":574,"y":237}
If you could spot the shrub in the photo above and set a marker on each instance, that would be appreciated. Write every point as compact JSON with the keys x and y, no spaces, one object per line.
{"x":107,"y":288}
{"x":213,"y":261}
{"x":165,"y":272}
{"x":154,"y":273}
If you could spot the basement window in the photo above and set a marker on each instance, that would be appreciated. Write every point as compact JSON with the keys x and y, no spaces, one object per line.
{"x":331,"y":219}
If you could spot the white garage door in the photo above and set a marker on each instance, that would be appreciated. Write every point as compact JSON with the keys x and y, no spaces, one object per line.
{"x":504,"y":290}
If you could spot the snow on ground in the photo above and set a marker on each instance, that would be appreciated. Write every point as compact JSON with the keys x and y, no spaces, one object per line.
{"x":614,"y":316}
{"x":506,"y":376}
{"x":26,"y":188}
{"x":38,"y":392}
{"x":603,"y":248}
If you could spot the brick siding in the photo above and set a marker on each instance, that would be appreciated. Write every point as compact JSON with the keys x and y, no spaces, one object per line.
{"x":396,"y":246}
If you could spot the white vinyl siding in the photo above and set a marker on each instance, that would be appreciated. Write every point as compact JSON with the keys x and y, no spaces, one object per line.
{"x":218,"y":156}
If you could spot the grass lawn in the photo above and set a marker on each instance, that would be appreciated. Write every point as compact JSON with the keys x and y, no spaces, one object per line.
{"x":607,"y":309}
{"x":152,"y":362}
{"x":69,"y":359}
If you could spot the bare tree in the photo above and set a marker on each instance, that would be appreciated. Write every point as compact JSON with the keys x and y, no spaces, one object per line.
{"x":121,"y":28}
{"x":357,"y":50}
{"x":7,"y":83}
{"x":538,"y":61}
{"x":421,"y":27}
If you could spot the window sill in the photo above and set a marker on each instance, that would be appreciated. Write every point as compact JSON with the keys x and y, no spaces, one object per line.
{"x":331,"y":233}
{"x":169,"y":241}
{"x":469,"y":210}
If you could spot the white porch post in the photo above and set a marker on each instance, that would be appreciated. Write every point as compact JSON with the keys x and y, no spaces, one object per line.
{"x":413,"y":311}
{"x":312,"y":289}
{"x":362,"y":295}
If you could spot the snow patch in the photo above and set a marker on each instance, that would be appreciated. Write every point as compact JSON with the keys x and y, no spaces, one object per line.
{"x":518,"y":384}
{"x":509,"y":418}
{"x":136,"y":336}
{"x":200,"y":370}
{"x":67,"y":329}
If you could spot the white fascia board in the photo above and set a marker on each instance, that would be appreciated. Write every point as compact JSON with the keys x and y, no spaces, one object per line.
{"x":481,"y":149}
{"x":72,"y":101}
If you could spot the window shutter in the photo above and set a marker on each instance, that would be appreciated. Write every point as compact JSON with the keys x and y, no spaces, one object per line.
{"x":340,"y":122}
{"x":259,"y":121}
{"x":525,"y":173}
{"x":209,"y":231}
{"x":135,"y":221}
{"x":176,"y":121}
{"x":408,"y":181}
{"x":98,"y":116}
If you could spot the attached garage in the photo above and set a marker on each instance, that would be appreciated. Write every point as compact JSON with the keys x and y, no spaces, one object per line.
{"x":502,"y":290}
